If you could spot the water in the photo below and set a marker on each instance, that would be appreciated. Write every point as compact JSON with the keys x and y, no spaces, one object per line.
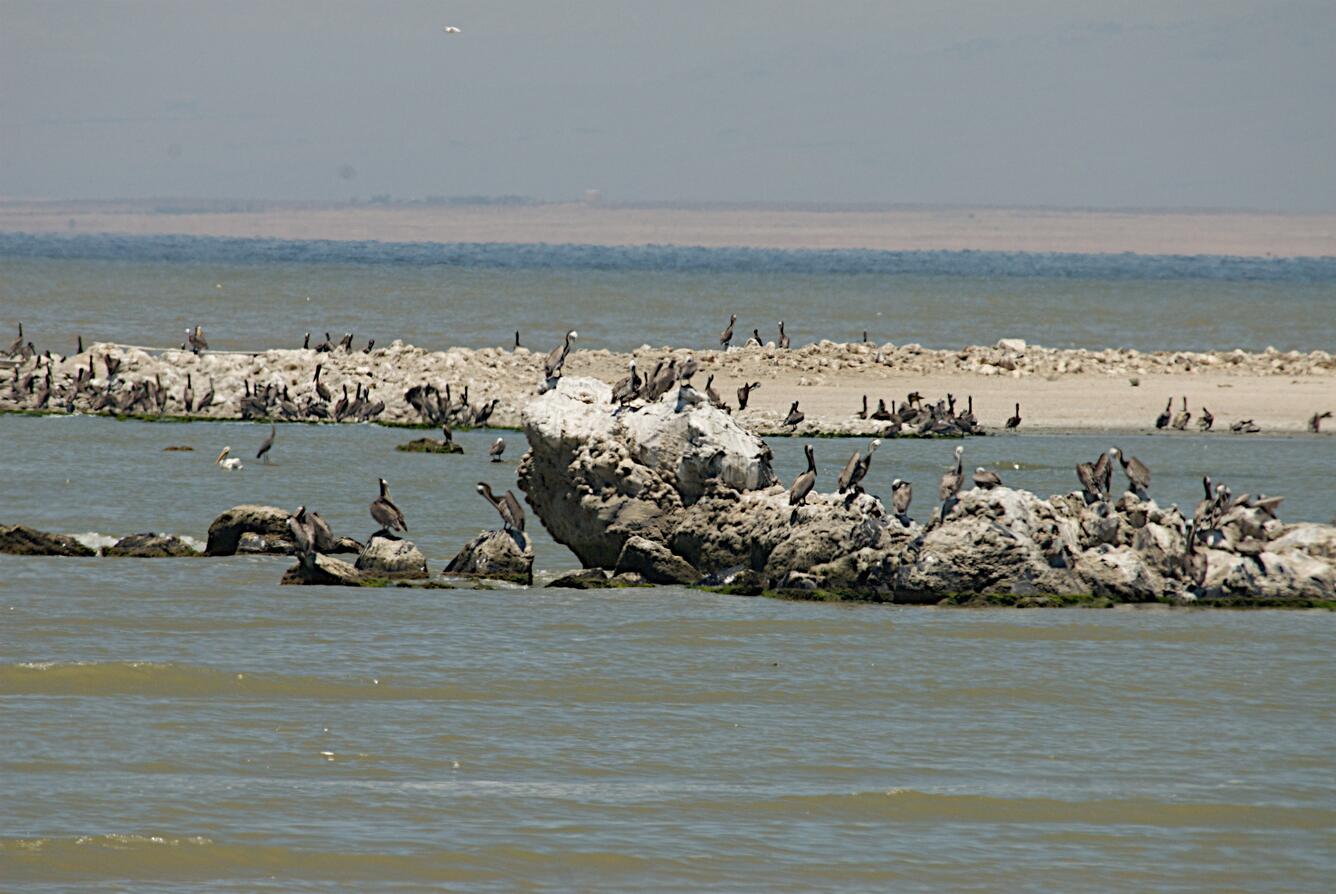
{"x":267,"y":293}
{"x":189,"y":724}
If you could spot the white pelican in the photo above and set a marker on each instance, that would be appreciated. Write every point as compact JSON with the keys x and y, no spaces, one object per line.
{"x":231,"y":463}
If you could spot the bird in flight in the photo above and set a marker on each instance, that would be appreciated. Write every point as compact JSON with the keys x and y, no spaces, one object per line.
{"x":451,"y":29}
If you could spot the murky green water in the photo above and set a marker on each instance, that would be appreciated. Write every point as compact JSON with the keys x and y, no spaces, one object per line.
{"x":189,"y":724}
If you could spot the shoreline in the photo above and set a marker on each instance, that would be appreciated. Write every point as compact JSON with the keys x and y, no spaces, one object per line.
{"x":1059,"y":390}
{"x":1235,"y":233}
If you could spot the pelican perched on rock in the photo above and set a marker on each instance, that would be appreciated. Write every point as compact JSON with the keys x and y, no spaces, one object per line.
{"x":1315,"y":421}
{"x":725,"y":337}
{"x":17,"y":344}
{"x":230,"y":463}
{"x":713,"y":396}
{"x":986,"y":480}
{"x":628,"y":388}
{"x":856,"y":469}
{"x":507,"y":506}
{"x":783,"y":337}
{"x":744,"y":394}
{"x":803,"y":484}
{"x":302,"y":530}
{"x":795,"y":416}
{"x":263,"y":452}
{"x":1206,"y":420}
{"x":556,"y":358}
{"x":1138,"y":476}
{"x":951,"y":481}
{"x":1015,"y":421}
{"x":498,"y":447}
{"x":385,"y":513}
{"x":902,"y":494}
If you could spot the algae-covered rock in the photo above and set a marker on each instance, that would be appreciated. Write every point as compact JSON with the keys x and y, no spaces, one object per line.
{"x":497,"y":555}
{"x":430,"y":445}
{"x":392,"y":558}
{"x":20,"y":540}
{"x":151,"y":546}
{"x":269,"y":523}
{"x":324,"y":571}
{"x":655,"y":563}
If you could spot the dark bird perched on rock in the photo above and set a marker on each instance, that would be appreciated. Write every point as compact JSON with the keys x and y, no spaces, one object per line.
{"x":986,"y":480}
{"x":794,"y":417}
{"x":17,"y":344}
{"x":346,"y":342}
{"x":263,"y":452}
{"x":188,"y":395}
{"x":1206,"y":420}
{"x":755,"y":339}
{"x":1181,"y":420}
{"x":713,"y":396}
{"x":1015,"y":421}
{"x":881,"y":414}
{"x":851,"y":477}
{"x":803,"y":484}
{"x":1138,"y":475}
{"x":195,"y":338}
{"x":744,"y":393}
{"x":862,"y":414}
{"x":509,"y":508}
{"x":517,"y":340}
{"x":902,"y":494}
{"x":1163,"y":419}
{"x":303,"y":532}
{"x":1246,"y":427}
{"x":725,"y":337}
{"x":951,"y":481}
{"x":556,"y":358}
{"x":783,"y":337}
{"x":385,"y":513}
{"x":320,"y":388}
{"x":207,"y":400}
{"x":627,"y":388}
{"x":1315,"y":421}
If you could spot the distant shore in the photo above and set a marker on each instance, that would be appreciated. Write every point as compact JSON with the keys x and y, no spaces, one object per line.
{"x":1237,"y":233}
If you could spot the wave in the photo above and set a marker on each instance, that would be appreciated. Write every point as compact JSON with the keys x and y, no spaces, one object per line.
{"x":527,"y":256}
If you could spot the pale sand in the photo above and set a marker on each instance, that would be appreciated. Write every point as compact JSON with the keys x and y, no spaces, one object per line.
{"x":903,"y":229}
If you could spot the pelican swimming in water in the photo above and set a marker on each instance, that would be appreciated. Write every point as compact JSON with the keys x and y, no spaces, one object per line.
{"x":263,"y":452}
{"x":498,"y":447}
{"x":509,"y":508}
{"x":1138,"y":475}
{"x":230,"y":463}
{"x":385,"y":513}
{"x":986,"y":480}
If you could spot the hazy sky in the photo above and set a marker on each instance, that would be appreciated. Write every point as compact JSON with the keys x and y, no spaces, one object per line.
{"x":1029,"y":102}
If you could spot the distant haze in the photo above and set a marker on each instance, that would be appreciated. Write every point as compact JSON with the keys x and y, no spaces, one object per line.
{"x":1031,"y":102}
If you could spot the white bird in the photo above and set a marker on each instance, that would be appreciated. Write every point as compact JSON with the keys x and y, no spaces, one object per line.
{"x":451,"y":29}
{"x":231,"y":463}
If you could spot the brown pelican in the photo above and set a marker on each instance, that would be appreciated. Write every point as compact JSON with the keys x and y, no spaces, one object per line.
{"x":1163,"y":419}
{"x":1137,"y":473}
{"x":341,"y":405}
{"x":324,"y":537}
{"x":286,"y":406}
{"x":881,"y":414}
{"x":1315,"y":421}
{"x":1085,"y":473}
{"x":498,"y":447}
{"x":188,"y":395}
{"x":845,"y":478}
{"x":447,"y":436}
{"x":346,"y":342}
{"x":856,"y":469}
{"x":725,"y":337}
{"x":1015,"y":421}
{"x":320,"y":389}
{"x":556,"y":358}
{"x":302,"y":531}
{"x":1181,"y":420}
{"x":306,"y":342}
{"x":230,"y":463}
{"x":902,"y":494}
{"x":687,"y":369}
{"x":197,"y":341}
{"x":986,"y":480}
{"x":17,"y":344}
{"x":1103,"y":472}
{"x":794,"y":416}
{"x":744,"y":393}
{"x":755,"y":337}
{"x":371,"y":409}
{"x":627,"y":388}
{"x":951,"y":481}
{"x":1206,"y":420}
{"x":78,"y":347}
{"x":783,"y":338}
{"x":509,"y":508}
{"x":517,"y":340}
{"x":803,"y":484}
{"x":385,"y":513}
{"x":268,"y":444}
{"x":370,"y":344}
{"x":713,"y":396}
{"x":1245,"y":426}
{"x":862,"y":414}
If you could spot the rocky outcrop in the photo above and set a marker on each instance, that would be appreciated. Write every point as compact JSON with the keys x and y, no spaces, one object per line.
{"x":324,"y":571}
{"x":392,"y":558}
{"x":676,"y":491}
{"x":429,"y":445}
{"x":20,"y":540}
{"x":269,"y":523}
{"x":151,"y":546}
{"x":497,"y":555}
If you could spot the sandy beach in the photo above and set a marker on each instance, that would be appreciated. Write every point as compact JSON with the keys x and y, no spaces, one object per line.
{"x":892,"y":229}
